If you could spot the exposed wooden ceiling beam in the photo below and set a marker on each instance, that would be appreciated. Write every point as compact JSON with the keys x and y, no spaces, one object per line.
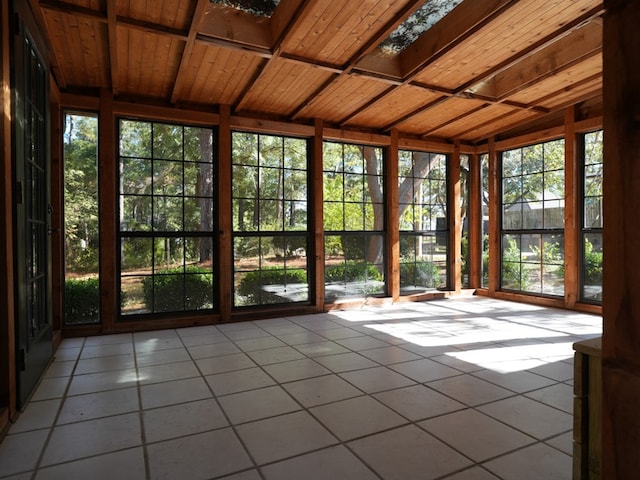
{"x":72,"y":9}
{"x":489,"y":94}
{"x":236,"y":27}
{"x":578,"y":46}
{"x":99,"y":16}
{"x":264,"y":52}
{"x":455,"y":119}
{"x":295,"y":12}
{"x":181,"y":73}
{"x":55,"y":63}
{"x":112,"y":30}
{"x":365,"y":50}
{"x":462,"y":22}
{"x":575,"y":42}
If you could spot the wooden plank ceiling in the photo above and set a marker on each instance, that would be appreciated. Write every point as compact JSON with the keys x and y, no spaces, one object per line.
{"x":485,"y":67}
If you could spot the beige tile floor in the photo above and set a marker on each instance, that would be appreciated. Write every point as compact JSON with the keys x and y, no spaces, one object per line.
{"x":460,"y":389}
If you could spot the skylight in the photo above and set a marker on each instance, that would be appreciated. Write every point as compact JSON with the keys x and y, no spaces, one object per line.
{"x":259,"y":8}
{"x":422,"y":20}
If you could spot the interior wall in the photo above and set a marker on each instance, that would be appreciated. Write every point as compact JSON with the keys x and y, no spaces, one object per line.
{"x":111,"y":109}
{"x":621,"y":307}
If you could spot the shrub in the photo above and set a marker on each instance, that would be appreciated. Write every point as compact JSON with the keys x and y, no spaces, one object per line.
{"x":250,"y":286}
{"x":512,"y":276}
{"x":175,"y":289}
{"x":351,"y":271}
{"x":424,"y":274}
{"x":81,"y":300}
{"x":592,"y":265}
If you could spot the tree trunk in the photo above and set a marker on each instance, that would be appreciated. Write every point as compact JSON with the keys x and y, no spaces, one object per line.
{"x":375,"y":250}
{"x":204,"y":191}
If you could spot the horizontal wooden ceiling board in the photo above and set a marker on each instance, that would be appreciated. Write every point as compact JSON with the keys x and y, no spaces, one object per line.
{"x":525,"y":23}
{"x":283,"y":87}
{"x":438,"y":115}
{"x":559,"y":82}
{"x":97,"y":5}
{"x":481,"y":116}
{"x":398,"y":103}
{"x":500,"y":124}
{"x":147,"y":63}
{"x":217,"y":75}
{"x":81,"y":49}
{"x":575,"y":93}
{"x":332,"y":31}
{"x":168,"y":13}
{"x":343,"y":97}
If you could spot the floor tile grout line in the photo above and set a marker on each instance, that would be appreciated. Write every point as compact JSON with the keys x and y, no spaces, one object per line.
{"x":226,"y":416}
{"x":38,"y":464}
{"x":143,"y":433}
{"x":542,"y":441}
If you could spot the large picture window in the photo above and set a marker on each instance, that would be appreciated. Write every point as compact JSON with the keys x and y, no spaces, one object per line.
{"x":592,"y":218}
{"x":424,"y":231}
{"x":533,"y":219}
{"x":166,"y":211}
{"x":353,"y":221}
{"x":270,"y":228}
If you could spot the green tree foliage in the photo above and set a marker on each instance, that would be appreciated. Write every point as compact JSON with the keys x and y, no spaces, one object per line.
{"x":269,"y":183}
{"x":81,"y":194}
{"x":592,"y":264}
{"x":167,"y":183}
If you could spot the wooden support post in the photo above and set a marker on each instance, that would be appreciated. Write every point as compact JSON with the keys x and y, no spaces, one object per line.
{"x":455,"y":222}
{"x":474,"y":222}
{"x":571,"y":211}
{"x":225,"y":220}
{"x":57,"y":213}
{"x":7,"y":307}
{"x":317,"y":217}
{"x":392,"y":218}
{"x":621,"y":302}
{"x":495,"y":251}
{"x":108,"y":176}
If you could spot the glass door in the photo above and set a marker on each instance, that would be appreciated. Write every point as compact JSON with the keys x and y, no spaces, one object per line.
{"x":31,"y":207}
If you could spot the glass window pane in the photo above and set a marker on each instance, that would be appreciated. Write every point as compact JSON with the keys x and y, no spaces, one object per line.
{"x":532,"y":217}
{"x":167,"y":141}
{"x":167,"y":214}
{"x":295,"y":215}
{"x":295,"y":154}
{"x":135,"y":139}
{"x":132,"y":294}
{"x":167,"y":178}
{"x":244,"y":148}
{"x":592,"y":267}
{"x":198,"y":144}
{"x":135,"y":213}
{"x":136,"y":254}
{"x":512,"y":163}
{"x":512,"y":216}
{"x":135,"y":176}
{"x":332,"y":158}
